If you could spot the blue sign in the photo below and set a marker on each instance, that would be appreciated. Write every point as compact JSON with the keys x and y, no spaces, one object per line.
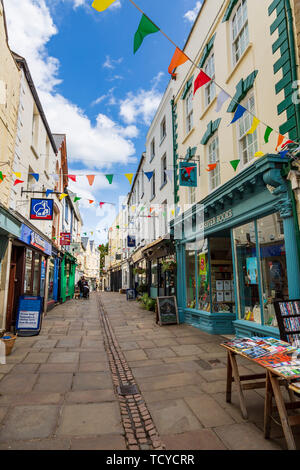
{"x":29,"y":315}
{"x":41,"y":209}
{"x":252,"y":272}
{"x":131,"y":241}
{"x":188,"y":174}
{"x":32,"y":238}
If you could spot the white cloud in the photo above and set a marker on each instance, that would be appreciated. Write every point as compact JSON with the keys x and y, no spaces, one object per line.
{"x":191,"y":15}
{"x":111,"y":63}
{"x":30,"y":27}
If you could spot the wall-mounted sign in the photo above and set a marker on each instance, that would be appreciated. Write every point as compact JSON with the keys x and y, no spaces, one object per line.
{"x":131,"y":241}
{"x":188,"y":174}
{"x":65,"y":239}
{"x":29,"y":316}
{"x":41,"y":209}
{"x":75,"y":248}
{"x":32,"y":238}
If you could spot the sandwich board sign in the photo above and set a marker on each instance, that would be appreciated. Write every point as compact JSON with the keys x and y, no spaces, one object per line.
{"x":29,"y":316}
{"x":167,"y":311}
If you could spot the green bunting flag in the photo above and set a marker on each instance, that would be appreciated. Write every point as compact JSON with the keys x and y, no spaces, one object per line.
{"x":145,"y":27}
{"x":77,"y":199}
{"x":110,"y":178}
{"x":1,"y":176}
{"x":267,"y":134}
{"x":235,"y":164}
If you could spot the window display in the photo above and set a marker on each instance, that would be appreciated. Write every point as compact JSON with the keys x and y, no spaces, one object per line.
{"x":190,"y":279}
{"x":28,"y":272}
{"x":51,"y":279}
{"x":222,"y":285}
{"x":203,"y":282}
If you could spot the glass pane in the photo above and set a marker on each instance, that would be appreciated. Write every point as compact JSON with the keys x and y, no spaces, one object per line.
{"x":203,"y":282}
{"x":190,"y":279}
{"x":51,"y":279}
{"x":273,"y":264}
{"x":36,"y":274}
{"x":247,"y":273}
{"x":221,"y":266}
{"x":28,"y":272}
{"x":154,"y":275}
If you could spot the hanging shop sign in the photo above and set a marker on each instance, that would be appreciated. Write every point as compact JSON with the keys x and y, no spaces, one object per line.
{"x":131,"y":241}
{"x":29,"y":316}
{"x":188,"y":174}
{"x":41,"y":209}
{"x":65,"y":239}
{"x":32,"y":238}
{"x":75,"y":248}
{"x":167,"y":311}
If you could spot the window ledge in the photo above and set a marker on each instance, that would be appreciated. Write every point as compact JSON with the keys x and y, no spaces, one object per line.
{"x":188,"y":135}
{"x":238,"y":62}
{"x":208,"y":107}
{"x":152,"y":158}
{"x":163,"y":139}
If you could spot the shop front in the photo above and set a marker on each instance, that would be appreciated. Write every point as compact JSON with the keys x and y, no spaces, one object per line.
{"x":53,"y":280}
{"x":67,"y":277}
{"x":245,"y":257}
{"x":28,"y":270}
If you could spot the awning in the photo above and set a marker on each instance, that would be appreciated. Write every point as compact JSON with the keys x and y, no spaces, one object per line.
{"x":162,"y":243}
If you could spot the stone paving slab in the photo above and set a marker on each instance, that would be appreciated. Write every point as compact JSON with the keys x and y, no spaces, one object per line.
{"x":204,"y":439}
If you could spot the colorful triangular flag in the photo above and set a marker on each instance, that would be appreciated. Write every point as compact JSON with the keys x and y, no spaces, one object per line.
{"x":280,"y":140}
{"x":36,"y":176}
{"x":222,"y":98}
{"x":179,"y":58}
{"x":129,"y":176}
{"x":72,"y":178}
{"x":235,"y":164}
{"x":49,"y":191}
{"x":91,"y":201}
{"x":77,"y":199}
{"x":110,"y":178}
{"x":145,"y":27}
{"x":17,"y":174}
{"x":268,"y":132}
{"x":211,"y":167}
{"x":101,"y":5}
{"x":91,"y":179}
{"x":62,"y":196}
{"x":101,"y":204}
{"x":259,"y":154}
{"x":240,"y":111}
{"x":201,"y":80}
{"x":149,"y":174}
{"x":254,"y":126}
{"x":287,"y":143}
{"x":18,"y":182}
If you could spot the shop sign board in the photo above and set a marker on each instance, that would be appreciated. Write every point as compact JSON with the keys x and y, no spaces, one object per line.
{"x":218,"y":219}
{"x":75,"y":248}
{"x":41,"y":209}
{"x":29,"y":316}
{"x":188,"y":174}
{"x":65,"y":239}
{"x":131,"y":241}
{"x":130,"y":294}
{"x":167,"y":311}
{"x":32,"y":238}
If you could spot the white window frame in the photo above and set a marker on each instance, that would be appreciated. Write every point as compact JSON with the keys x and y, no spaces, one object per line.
{"x":189,"y":112}
{"x":163,"y":129}
{"x":247,"y":143}
{"x":153,"y":186}
{"x":214,"y":157}
{"x":164,"y":179}
{"x":152,"y":149}
{"x":210,"y":88}
{"x":192,"y":195}
{"x":239,"y":31}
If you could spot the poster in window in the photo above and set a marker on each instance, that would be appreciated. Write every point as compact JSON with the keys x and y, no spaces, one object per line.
{"x":202,"y":264}
{"x":252,"y":271}
{"x":188,"y":174}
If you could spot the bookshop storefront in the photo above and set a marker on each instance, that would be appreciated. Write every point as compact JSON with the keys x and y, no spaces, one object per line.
{"x":246,"y":257}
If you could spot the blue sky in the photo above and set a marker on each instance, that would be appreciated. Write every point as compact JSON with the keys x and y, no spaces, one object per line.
{"x":92,"y":86}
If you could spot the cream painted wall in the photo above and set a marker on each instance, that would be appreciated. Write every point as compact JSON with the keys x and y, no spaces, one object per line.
{"x":257,"y":56}
{"x":9,"y":101}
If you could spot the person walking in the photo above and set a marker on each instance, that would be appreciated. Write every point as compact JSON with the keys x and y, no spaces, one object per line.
{"x":81,"y":286}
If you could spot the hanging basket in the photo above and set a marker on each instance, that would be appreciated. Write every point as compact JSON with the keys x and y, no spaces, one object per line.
{"x":9,"y":341}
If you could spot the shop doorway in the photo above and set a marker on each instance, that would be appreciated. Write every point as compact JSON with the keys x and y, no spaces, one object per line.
{"x":15,"y":283}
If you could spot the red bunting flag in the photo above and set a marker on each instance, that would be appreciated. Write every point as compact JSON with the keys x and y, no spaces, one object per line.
{"x":201,"y":80}
{"x":179,"y":58}
{"x":72,"y":177}
{"x":18,"y":182}
{"x":91,"y":179}
{"x":287,"y":142}
{"x":101,"y":204}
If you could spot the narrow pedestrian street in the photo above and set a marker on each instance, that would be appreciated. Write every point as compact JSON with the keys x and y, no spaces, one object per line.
{"x":66,"y":388}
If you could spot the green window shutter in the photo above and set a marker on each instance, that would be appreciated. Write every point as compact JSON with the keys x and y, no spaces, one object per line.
{"x":211,"y":129}
{"x":242,"y":89}
{"x":228,"y":12}
{"x":191,"y":152}
{"x":187,"y":87}
{"x":206,"y":51}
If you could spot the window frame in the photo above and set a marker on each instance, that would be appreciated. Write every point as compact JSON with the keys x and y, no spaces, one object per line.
{"x":214,"y":175}
{"x":236,"y":36}
{"x":164,"y":178}
{"x":152,"y":149}
{"x":210,"y":87}
{"x":240,"y":138}
{"x":163,"y":129}
{"x":189,"y":113}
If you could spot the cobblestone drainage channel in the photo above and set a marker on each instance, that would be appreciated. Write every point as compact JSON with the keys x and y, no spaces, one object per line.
{"x":140,"y":431}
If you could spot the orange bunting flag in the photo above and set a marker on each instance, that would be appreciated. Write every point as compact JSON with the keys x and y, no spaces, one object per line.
{"x":201,"y":80}
{"x":280,"y":140}
{"x":211,"y":167}
{"x":18,"y":182}
{"x":91,"y":179}
{"x":179,"y":58}
{"x":90,"y":201}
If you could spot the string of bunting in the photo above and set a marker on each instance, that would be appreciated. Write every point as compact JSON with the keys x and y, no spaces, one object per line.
{"x":147,"y":27}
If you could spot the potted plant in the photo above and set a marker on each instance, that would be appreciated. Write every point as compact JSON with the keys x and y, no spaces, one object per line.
{"x":169,"y":266}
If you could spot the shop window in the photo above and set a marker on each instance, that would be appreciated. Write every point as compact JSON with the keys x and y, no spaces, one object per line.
{"x":240,"y":32}
{"x":154,"y":275}
{"x":51,"y":279}
{"x":247,"y":273}
{"x":28,"y":272}
{"x":36,"y":274}
{"x":273,"y":265}
{"x":221,"y":266}
{"x":190,"y":262}
{"x":203,"y":282}
{"x":247,"y":142}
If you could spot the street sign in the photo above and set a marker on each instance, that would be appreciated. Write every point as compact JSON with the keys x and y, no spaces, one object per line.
{"x":65,"y":239}
{"x":41,"y":209}
{"x":29,"y":316}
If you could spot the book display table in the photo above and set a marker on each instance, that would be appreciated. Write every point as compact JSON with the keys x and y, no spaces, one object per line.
{"x":281,"y":367}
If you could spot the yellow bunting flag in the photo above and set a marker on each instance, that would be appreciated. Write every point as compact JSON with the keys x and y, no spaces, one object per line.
{"x":259,"y":154}
{"x":254,"y":126}
{"x":18,"y":175}
{"x":101,"y":5}
{"x":173,"y":212}
{"x":129,"y":176}
{"x":133,"y":208}
{"x":62,"y":196}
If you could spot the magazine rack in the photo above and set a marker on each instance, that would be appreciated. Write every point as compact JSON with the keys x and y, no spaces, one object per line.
{"x":288,"y":319}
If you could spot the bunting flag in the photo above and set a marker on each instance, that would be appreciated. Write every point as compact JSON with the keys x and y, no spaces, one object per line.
{"x":178,"y":210}
{"x":62,"y":196}
{"x":173,"y":212}
{"x":145,"y":28}
{"x":149,"y":174}
{"x":17,"y":174}
{"x":101,"y":5}
{"x":142,"y":209}
{"x":91,"y":179}
{"x":133,"y":208}
{"x":18,"y":182}
{"x":36,"y":176}
{"x":169,"y":174}
{"x":179,"y":58}
{"x":109,"y":178}
{"x":72,"y":178}
{"x":201,"y":80}
{"x":101,"y":204}
{"x":268,"y":132}
{"x":49,"y":191}
{"x":240,"y":111}
{"x":259,"y":154}
{"x":77,"y":199}
{"x":91,"y":201}
{"x":283,"y":154}
{"x":235,"y":164}
{"x":222,"y":98}
{"x":254,"y":126}
{"x":211,"y":167}
{"x":280,"y":140}
{"x":287,"y":143}
{"x":129,"y":176}
{"x":2,"y":176}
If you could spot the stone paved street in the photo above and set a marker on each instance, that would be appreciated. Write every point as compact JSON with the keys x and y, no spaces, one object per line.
{"x":59,"y":390}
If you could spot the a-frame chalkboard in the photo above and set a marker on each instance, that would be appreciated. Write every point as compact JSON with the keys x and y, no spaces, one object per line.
{"x":167,"y":311}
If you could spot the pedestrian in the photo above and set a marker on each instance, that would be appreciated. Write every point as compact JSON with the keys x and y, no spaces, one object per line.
{"x":80,"y":285}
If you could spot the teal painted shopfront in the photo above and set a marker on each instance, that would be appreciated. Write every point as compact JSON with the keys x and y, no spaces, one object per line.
{"x":246,"y":258}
